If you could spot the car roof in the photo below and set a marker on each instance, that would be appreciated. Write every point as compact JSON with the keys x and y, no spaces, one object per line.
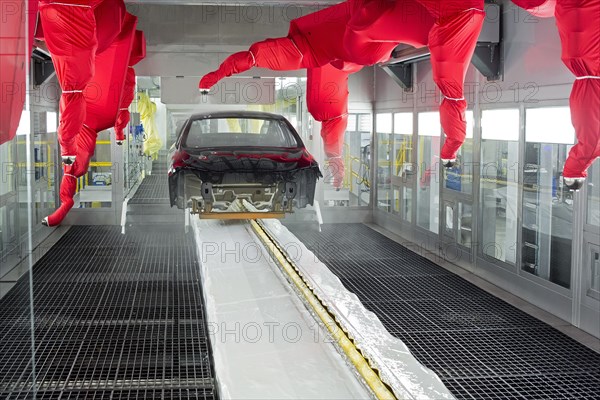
{"x":237,"y":114}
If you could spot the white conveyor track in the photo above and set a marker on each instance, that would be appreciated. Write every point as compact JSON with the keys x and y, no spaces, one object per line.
{"x":266,"y":345}
{"x":265,"y":342}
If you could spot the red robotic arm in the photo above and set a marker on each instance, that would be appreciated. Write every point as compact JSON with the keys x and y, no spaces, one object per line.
{"x":73,"y":56}
{"x":452,"y":43}
{"x":101,"y":106}
{"x":327,"y":101}
{"x":377,"y":27}
{"x":578,"y":24}
{"x":313,"y":40}
{"x":539,"y":8}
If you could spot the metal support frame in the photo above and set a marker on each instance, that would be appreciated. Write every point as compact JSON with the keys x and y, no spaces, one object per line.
{"x":43,"y":68}
{"x":402,"y":74}
{"x":487,"y":57}
{"x":488,"y":60}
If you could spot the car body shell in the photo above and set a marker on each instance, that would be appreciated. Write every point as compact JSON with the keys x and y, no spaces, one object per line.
{"x":272,"y":178}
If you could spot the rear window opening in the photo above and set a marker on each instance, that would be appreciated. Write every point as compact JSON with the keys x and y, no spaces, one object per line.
{"x":239,"y":132}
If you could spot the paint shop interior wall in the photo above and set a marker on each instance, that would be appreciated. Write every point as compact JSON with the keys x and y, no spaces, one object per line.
{"x":361,"y":88}
{"x":161,"y":121}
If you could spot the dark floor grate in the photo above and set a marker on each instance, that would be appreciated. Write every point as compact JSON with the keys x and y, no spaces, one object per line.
{"x":479,"y":345}
{"x":154,"y":189}
{"x":116,"y":317}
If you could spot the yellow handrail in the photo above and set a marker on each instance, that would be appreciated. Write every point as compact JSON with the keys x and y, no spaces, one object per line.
{"x":102,"y":164}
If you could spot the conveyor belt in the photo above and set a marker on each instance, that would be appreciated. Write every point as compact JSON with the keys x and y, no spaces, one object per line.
{"x":116,"y":317}
{"x":481,"y":347}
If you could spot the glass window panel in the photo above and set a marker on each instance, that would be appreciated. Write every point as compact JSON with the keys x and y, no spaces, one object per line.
{"x":428,"y":154}
{"x":403,"y":123}
{"x":95,"y":187}
{"x":51,"y":122}
{"x":549,"y":125}
{"x":449,"y":224}
{"x":9,"y":233}
{"x":384,"y":140}
{"x":500,"y":125}
{"x":499,"y":184}
{"x":356,"y":185}
{"x":403,"y":144}
{"x":352,"y":118}
{"x":44,"y":152}
{"x":429,"y":123}
{"x":594,"y":275}
{"x":24,"y":124}
{"x":357,"y":155}
{"x":593,"y":195}
{"x":384,"y":123}
{"x":547,"y":203}
{"x":9,"y":168}
{"x":460,"y":177}
{"x":17,"y":204}
{"x":21,"y":176}
{"x":397,"y":200}
{"x":407,"y":204}
{"x":465,"y":221}
{"x":365,"y":122}
{"x":470,"y":123}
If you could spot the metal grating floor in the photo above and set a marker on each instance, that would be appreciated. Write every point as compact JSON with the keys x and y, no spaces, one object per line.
{"x":480,"y":346}
{"x":116,"y":317}
{"x":154,"y":189}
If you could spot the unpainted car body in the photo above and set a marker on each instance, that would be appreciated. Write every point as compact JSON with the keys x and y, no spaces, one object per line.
{"x":224,"y":158}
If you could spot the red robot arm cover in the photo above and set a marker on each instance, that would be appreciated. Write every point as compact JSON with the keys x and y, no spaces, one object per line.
{"x":377,"y":27}
{"x":312,"y":41}
{"x":111,"y":66}
{"x":70,"y":34}
{"x":578,"y":24}
{"x":452,"y":42}
{"x":275,"y":54}
{"x":539,"y":8}
{"x":319,"y":35}
{"x":109,"y":14}
{"x":327,"y":101}
{"x":103,"y":95}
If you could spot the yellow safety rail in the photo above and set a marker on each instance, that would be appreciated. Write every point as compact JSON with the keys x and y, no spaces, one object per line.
{"x":400,"y":155}
{"x":352,"y":172}
{"x":49,"y":165}
{"x":372,"y":378}
{"x":104,"y":164}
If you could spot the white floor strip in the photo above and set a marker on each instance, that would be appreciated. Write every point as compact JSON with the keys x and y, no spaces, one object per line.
{"x":266,"y":345}
{"x":397,"y":366}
